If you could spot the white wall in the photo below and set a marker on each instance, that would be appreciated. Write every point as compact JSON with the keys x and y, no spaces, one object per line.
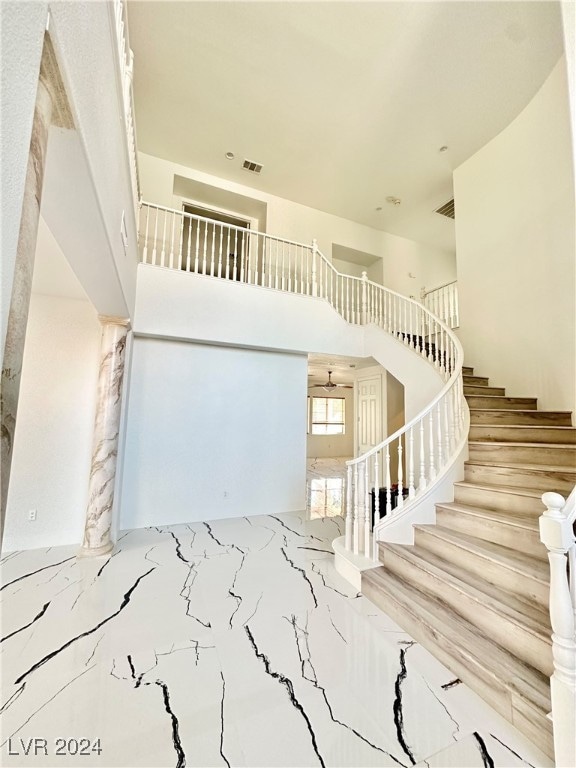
{"x":82,"y":35}
{"x":331,"y":446}
{"x":516,"y":252}
{"x":288,"y":219}
{"x":212,"y":432}
{"x":53,"y":441}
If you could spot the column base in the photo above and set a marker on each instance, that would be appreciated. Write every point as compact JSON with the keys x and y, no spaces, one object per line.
{"x":95,"y":551}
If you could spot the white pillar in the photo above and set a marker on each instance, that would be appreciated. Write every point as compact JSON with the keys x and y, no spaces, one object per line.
{"x":97,"y":531}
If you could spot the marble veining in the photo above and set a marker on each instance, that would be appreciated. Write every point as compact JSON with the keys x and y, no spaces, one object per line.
{"x":97,"y":531}
{"x":22,"y":288}
{"x":226,"y":643}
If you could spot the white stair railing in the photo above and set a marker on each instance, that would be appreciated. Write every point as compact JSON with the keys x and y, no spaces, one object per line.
{"x":389,"y":478}
{"x":126,"y":64}
{"x":557,"y":534}
{"x":408,"y":462}
{"x":443,"y":302}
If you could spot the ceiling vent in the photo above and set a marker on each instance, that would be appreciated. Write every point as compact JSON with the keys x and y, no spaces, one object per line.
{"x":447,"y":209}
{"x":250,"y":165}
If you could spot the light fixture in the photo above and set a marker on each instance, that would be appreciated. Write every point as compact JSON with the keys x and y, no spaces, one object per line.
{"x":229,"y":155}
{"x":393,"y":200}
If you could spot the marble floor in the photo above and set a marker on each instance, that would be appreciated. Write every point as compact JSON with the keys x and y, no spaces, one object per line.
{"x":231,"y":643}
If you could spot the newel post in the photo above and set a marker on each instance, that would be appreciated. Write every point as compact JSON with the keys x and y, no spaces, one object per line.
{"x":557,"y":535}
{"x":364,"y":316}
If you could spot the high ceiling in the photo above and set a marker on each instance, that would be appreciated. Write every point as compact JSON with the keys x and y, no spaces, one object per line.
{"x":343,"y":103}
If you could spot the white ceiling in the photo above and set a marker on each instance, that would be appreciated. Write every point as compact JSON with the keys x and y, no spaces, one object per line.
{"x":344,"y":103}
{"x":342,"y":368}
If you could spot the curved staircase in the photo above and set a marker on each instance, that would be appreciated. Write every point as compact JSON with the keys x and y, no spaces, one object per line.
{"x":474,"y":587}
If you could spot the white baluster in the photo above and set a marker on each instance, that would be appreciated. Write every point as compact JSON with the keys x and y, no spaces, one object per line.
{"x":155,"y":237}
{"x":364,"y":305}
{"x":432,"y":470}
{"x":348,"y":522}
{"x":205,"y":245}
{"x":220,"y":251}
{"x":227,"y":271}
{"x":163,"y":253}
{"x":376,"y":490}
{"x":405,"y":326}
{"x":447,"y":444}
{"x":145,"y":250}
{"x":181,"y":242}
{"x":422,"y":480}
{"x":213,"y":251}
{"x":356,"y":529}
{"x":388,"y":483}
{"x":243,"y":276}
{"x":171,"y":257}
{"x":439,"y":436}
{"x":313,"y":276}
{"x":411,"y":488}
{"x":266,"y":264}
{"x":400,"y":475}
{"x":347,"y":299}
{"x":196,"y":230}
{"x":367,"y":526}
{"x":188,"y":257}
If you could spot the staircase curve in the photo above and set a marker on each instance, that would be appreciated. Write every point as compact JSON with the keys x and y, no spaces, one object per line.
{"x":411,"y":468}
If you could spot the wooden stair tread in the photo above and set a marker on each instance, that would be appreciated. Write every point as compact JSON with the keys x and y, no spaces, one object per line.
{"x":517,"y":520}
{"x":485,"y":656}
{"x":515,"y":467}
{"x":509,"y":558}
{"x":501,"y":488}
{"x":524,"y":613}
{"x":506,"y":397}
{"x":509,"y":443}
{"x":506,"y":411}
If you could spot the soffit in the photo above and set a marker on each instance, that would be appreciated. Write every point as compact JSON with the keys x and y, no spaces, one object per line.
{"x":344,"y":103}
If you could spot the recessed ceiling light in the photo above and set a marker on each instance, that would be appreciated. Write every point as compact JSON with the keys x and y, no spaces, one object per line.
{"x":393,"y":200}
{"x":379,"y":208}
{"x":443,"y":149}
{"x":229,"y":155}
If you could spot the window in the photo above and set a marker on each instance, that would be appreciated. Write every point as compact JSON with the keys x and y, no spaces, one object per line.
{"x":328,"y":415}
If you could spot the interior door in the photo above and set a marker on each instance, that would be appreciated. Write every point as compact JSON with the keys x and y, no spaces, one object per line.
{"x":369,"y":413}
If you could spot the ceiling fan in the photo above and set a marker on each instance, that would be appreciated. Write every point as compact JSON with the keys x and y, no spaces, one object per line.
{"x":331,"y":385}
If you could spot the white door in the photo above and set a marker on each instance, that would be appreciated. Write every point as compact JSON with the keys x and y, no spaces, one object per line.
{"x":369,"y":413}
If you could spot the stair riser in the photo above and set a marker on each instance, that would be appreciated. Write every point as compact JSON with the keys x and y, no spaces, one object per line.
{"x":528,"y":418}
{"x":521,"y":584}
{"x":475,"y":381}
{"x":473,"y":390}
{"x":499,"y":502}
{"x":516,"y":538}
{"x":506,"y":403}
{"x":522,"y":434}
{"x":542,"y":480}
{"x":518,"y":640}
{"x":544,"y":455}
{"x":467,"y":371}
{"x":476,"y":677}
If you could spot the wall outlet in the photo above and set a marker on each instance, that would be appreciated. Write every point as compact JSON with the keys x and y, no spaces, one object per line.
{"x":32,"y":515}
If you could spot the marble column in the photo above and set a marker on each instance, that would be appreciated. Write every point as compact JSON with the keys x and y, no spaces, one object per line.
{"x":98,"y":527}
{"x":51,"y":107}
{"x":22,"y":285}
